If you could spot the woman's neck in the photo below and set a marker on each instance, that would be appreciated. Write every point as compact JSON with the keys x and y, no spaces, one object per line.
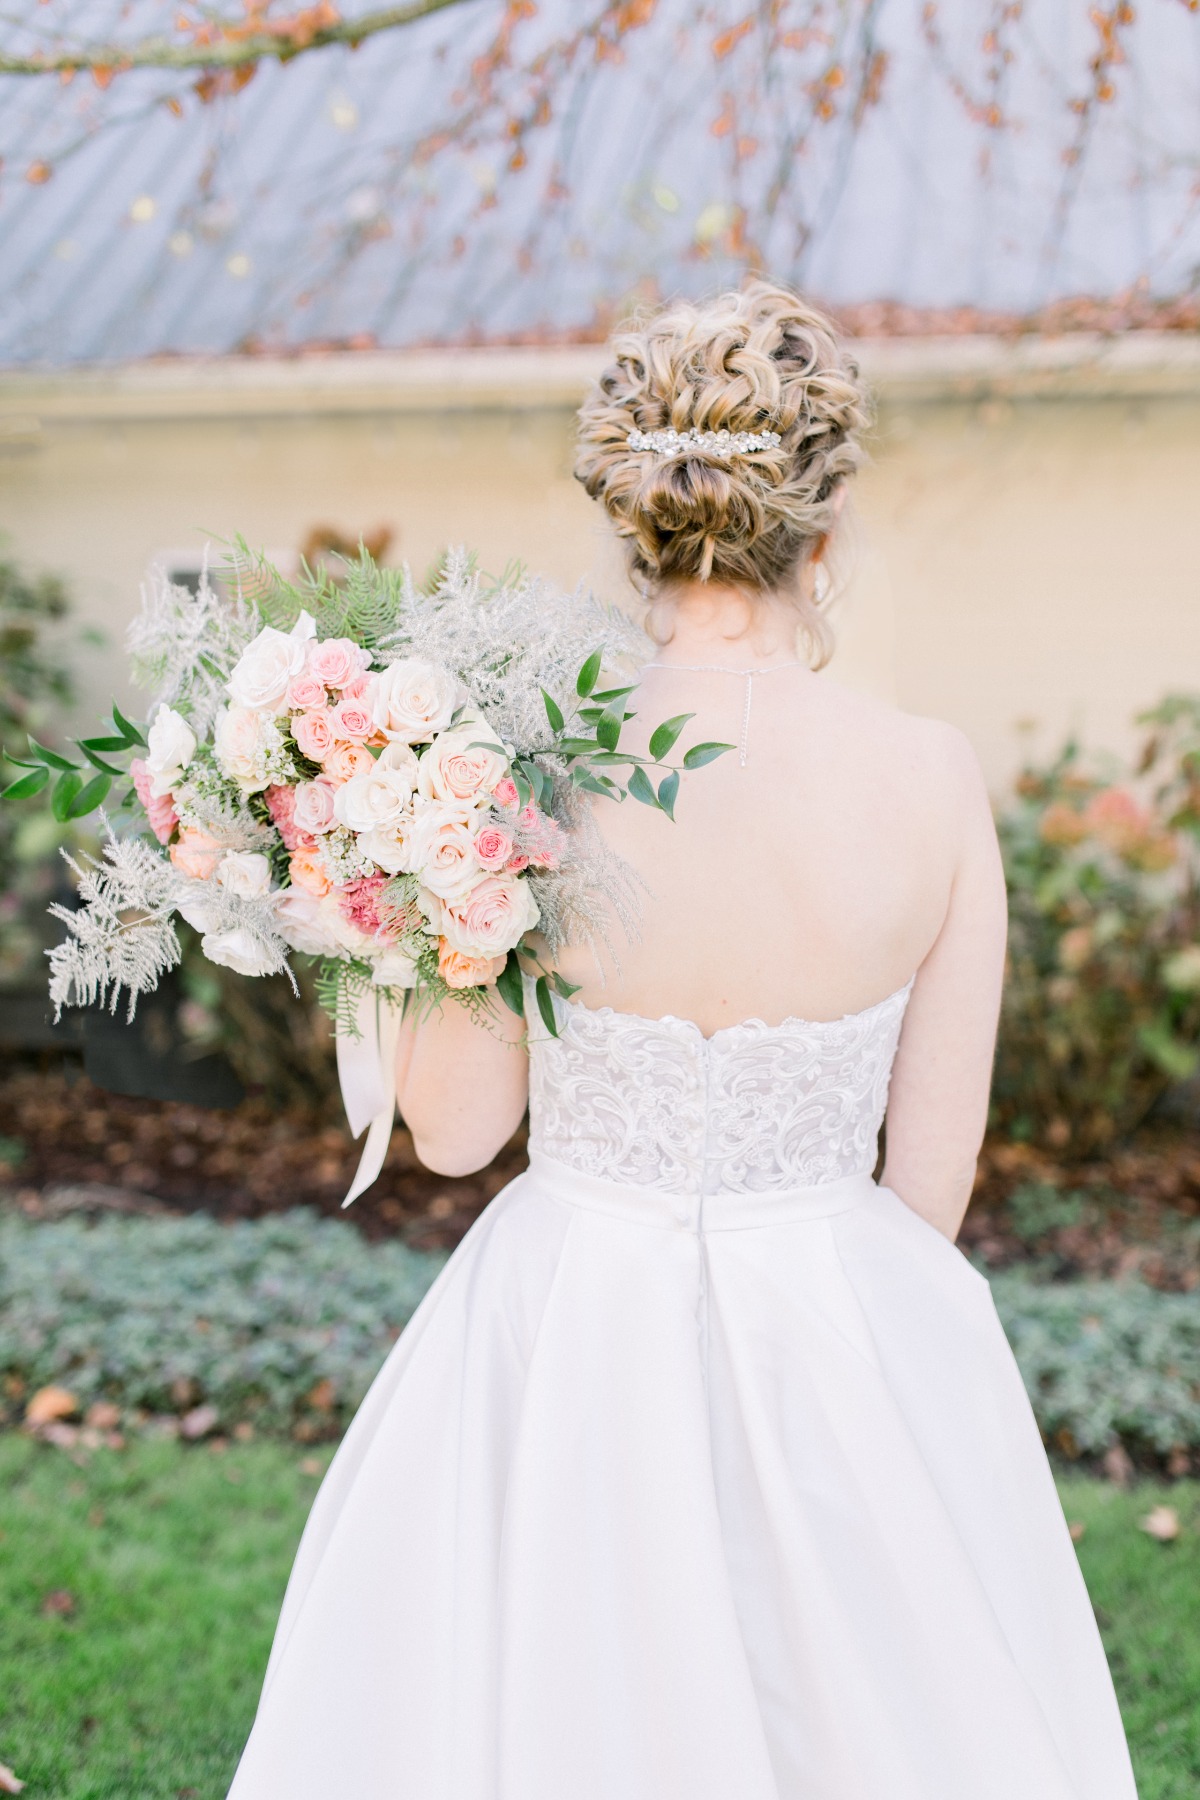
{"x":723,"y":628}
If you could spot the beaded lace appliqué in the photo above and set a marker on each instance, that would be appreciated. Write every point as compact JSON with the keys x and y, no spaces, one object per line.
{"x":753,"y":1109}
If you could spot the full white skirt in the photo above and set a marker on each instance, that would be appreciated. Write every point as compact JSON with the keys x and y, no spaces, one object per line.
{"x":662,"y":1499}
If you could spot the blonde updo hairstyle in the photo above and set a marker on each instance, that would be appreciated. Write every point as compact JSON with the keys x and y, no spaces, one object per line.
{"x":758,"y":360}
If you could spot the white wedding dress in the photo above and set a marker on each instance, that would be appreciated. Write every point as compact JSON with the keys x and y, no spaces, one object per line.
{"x":704,"y":1472}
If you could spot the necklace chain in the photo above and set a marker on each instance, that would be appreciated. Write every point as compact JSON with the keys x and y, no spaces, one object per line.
{"x":746,"y":675}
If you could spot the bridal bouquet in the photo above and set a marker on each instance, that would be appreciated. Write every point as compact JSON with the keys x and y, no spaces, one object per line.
{"x":388,"y":778}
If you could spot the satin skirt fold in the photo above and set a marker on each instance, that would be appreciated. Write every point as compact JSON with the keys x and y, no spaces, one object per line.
{"x":679,"y":1497}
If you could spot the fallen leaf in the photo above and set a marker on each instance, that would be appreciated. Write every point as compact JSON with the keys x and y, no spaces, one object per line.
{"x":63,"y":1437}
{"x":310,"y":1465}
{"x":102,"y":1415}
{"x":199,"y":1422}
{"x":58,"y":1604}
{"x":322,"y":1396}
{"x":8,"y":1781}
{"x":1076,"y":1529}
{"x":50,"y":1403}
{"x":1118,"y":1465}
{"x":1161,"y":1522}
{"x":243,"y":1431}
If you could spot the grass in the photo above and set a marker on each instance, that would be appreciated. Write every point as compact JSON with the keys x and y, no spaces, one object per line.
{"x":168,"y":1564}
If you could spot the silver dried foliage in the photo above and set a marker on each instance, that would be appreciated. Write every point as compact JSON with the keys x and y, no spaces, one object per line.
{"x":122,"y":939}
{"x":183,"y":645}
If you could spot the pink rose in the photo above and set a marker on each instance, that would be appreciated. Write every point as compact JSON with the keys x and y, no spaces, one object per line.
{"x":493,"y":847}
{"x":313,"y":733}
{"x":158,"y":808}
{"x":358,"y":688}
{"x":351,"y":720}
{"x":308,"y":872}
{"x":528,"y":817}
{"x":516,"y":863}
{"x":197,"y":854}
{"x":545,"y":843}
{"x":489,"y":920}
{"x":313,"y":807}
{"x":281,"y":804}
{"x":505,"y":792}
{"x":337,"y":662}
{"x":345,"y":761}
{"x":460,"y":971}
{"x":305,"y":691}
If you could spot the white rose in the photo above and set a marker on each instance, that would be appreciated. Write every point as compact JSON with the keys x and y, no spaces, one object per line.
{"x":202,"y":912}
{"x":395,"y":968}
{"x":240,"y":951}
{"x":441,"y":847}
{"x":387,"y":845}
{"x":262,"y":672}
{"x":304,"y":923}
{"x":171,"y":745}
{"x":241,"y":737}
{"x":246,"y":873}
{"x":452,"y":770}
{"x":380,"y":796}
{"x":491,"y":920}
{"x":413,"y":700}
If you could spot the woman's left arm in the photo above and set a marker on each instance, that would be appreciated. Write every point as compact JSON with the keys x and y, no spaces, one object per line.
{"x":462,"y":1085}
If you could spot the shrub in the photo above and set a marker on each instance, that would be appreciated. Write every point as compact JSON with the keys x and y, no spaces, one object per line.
{"x":283,"y":1320}
{"x":1102,"y":1002}
{"x":1106,"y":1362}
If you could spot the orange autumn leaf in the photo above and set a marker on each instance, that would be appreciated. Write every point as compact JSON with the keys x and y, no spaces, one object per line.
{"x":726,"y":41}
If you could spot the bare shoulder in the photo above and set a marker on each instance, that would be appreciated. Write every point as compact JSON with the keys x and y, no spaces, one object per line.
{"x":942,"y":752}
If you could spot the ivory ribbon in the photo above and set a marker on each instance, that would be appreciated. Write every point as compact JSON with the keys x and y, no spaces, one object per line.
{"x":367,"y":1072}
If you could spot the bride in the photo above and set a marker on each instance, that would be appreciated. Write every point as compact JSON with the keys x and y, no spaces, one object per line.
{"x":704,"y":1472}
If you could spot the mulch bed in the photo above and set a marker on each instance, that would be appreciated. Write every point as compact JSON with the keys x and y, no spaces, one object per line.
{"x":1140,"y":1212}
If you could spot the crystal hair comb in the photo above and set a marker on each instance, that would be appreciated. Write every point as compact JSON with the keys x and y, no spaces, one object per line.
{"x":704,"y":443}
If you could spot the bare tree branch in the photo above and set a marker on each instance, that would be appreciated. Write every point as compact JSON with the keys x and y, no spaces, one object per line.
{"x":227,"y":43}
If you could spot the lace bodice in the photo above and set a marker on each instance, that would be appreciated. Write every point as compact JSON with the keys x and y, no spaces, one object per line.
{"x":754,"y":1109}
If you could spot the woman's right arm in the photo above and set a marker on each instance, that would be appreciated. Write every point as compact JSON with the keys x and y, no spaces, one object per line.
{"x":938,"y":1102}
{"x":462,"y":1085}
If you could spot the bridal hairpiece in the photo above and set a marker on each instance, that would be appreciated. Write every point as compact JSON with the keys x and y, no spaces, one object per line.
{"x":705,"y":443}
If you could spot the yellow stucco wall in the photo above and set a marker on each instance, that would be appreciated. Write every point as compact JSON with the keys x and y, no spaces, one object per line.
{"x":1028,"y":548}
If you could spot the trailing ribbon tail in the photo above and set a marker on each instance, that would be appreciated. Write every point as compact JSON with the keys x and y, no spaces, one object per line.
{"x":367,"y":1072}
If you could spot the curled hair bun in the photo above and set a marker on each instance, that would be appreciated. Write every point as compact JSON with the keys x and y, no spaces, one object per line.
{"x":758,"y":360}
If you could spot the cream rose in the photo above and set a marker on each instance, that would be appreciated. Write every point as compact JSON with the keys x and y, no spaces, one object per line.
{"x":491,"y":920}
{"x":458,"y":766}
{"x":262,"y":672}
{"x":345,"y":761}
{"x":245,"y":873}
{"x":381,"y":795}
{"x":239,"y":950}
{"x":307,"y":923}
{"x":395,"y":968}
{"x":241,"y":739}
{"x":314,"y":807}
{"x":441,"y":847}
{"x":171,"y":745}
{"x":413,"y":700}
{"x":202,"y":912}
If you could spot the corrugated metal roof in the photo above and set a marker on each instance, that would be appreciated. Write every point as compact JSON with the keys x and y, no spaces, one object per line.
{"x":297,"y":211}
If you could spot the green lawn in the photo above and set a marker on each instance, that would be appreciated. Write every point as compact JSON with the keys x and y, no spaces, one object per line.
{"x":143,"y":1686}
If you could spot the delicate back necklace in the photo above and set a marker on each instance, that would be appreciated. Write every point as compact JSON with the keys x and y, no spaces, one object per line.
{"x":746,"y":675}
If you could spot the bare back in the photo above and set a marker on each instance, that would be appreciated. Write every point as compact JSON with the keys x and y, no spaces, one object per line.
{"x":811,"y":882}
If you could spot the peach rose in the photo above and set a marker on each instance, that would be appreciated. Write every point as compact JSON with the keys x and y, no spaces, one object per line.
{"x":352,"y":721}
{"x":460,"y":971}
{"x":357,"y":689}
{"x":345,"y":761}
{"x":308,"y":872}
{"x":493,"y":847}
{"x":304,"y":692}
{"x":313,"y":733}
{"x":336,"y":662}
{"x":195,"y":853}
